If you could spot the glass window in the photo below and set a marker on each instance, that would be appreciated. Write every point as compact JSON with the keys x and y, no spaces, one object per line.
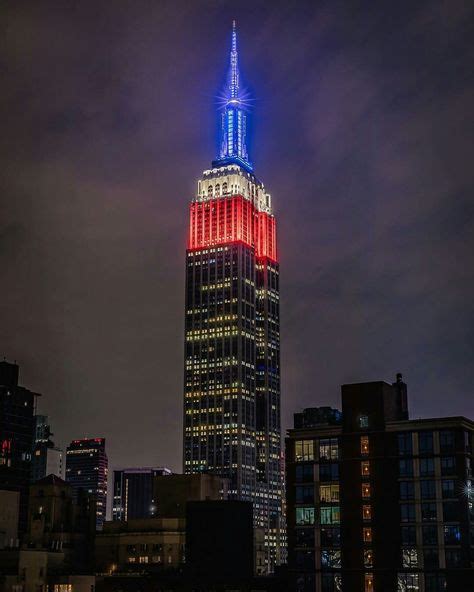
{"x":330,"y":536}
{"x":368,"y":583}
{"x":452,"y":534}
{"x":368,"y":558}
{"x":330,"y":515}
{"x":365,"y":490}
{"x":447,"y":488}
{"x":408,"y":582}
{"x":364,"y":421}
{"x":426,"y":467}
{"x":305,"y":559}
{"x":405,"y":444}
{"x":329,"y":583}
{"x":366,"y":513}
{"x":435,"y":582}
{"x":425,"y":442}
{"x":305,"y":516}
{"x":367,"y":535}
{"x":428,"y":512}
{"x":364,"y":445}
{"x":448,"y":465}
{"x":329,"y":472}
{"x":428,"y":489}
{"x":365,"y":468}
{"x":304,"y":473}
{"x":304,"y":450}
{"x":407,"y":513}
{"x":430,"y":535}
{"x":451,"y":511}
{"x":328,"y":449}
{"x":405,"y":466}
{"x":329,"y":493}
{"x":447,"y":440}
{"x":410,"y":557}
{"x":305,"y":537}
{"x":430,"y":559}
{"x":304,"y":494}
{"x":407,"y":490}
{"x":453,"y":557}
{"x":331,"y":558}
{"x":408,"y":535}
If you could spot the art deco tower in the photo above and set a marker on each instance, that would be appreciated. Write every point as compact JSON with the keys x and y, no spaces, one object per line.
{"x":232,"y":350}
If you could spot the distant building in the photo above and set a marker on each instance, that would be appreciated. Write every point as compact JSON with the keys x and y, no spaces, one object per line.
{"x":17,"y":424}
{"x":86,"y":470}
{"x":133,"y":492}
{"x":379,"y":502}
{"x":9,"y":514}
{"x":47,"y":459}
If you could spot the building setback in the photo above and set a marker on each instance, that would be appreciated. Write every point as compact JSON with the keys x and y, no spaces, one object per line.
{"x":86,"y":469}
{"x":232,"y":332}
{"x":377,"y":502}
{"x":133,"y":492}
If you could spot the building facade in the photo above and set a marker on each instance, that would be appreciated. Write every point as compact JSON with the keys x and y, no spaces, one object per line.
{"x":17,"y":426}
{"x":87,"y":469}
{"x":232,"y":333}
{"x":47,"y":459}
{"x":133,"y":492}
{"x":377,"y":502}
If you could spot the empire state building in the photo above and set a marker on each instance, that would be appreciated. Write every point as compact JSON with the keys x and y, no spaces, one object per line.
{"x":232,"y":327}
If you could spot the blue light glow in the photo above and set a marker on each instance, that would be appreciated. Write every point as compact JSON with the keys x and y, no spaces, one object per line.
{"x":234,"y":102}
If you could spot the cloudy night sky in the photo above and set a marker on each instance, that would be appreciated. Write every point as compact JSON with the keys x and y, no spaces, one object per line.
{"x":362,"y":131}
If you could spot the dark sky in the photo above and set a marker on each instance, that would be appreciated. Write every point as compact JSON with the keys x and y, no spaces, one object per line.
{"x":362,"y":132}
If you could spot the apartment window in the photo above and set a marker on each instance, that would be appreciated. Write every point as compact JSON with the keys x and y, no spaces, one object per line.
{"x":330,"y":515}
{"x":409,"y":557}
{"x":143,"y":559}
{"x":435,"y":583}
{"x":365,"y":490}
{"x":331,"y":558}
{"x":428,"y":512}
{"x":407,"y":490}
{"x":451,"y":511}
{"x":364,"y":421}
{"x":305,"y":537}
{"x":329,"y":493}
{"x":305,"y":516}
{"x":329,"y":472}
{"x":364,"y":445}
{"x":368,"y":558}
{"x":405,"y":467}
{"x":426,"y":467}
{"x":430,"y":535}
{"x":330,"y":536}
{"x":305,"y":560}
{"x":452,"y":534}
{"x":408,"y":535}
{"x":304,"y":450}
{"x":328,"y":449}
{"x":425,"y":442}
{"x":367,"y":535}
{"x":447,"y":488}
{"x":329,"y":583}
{"x":304,"y":494}
{"x":448,"y":465}
{"x":304,"y":473}
{"x":366,"y":513}
{"x":453,"y":557}
{"x":430,"y":559}
{"x":409,"y":582}
{"x":368,"y":583}
{"x":407,"y":513}
{"x":405,"y":444}
{"x":447,"y":440}
{"x":428,"y":489}
{"x":365,"y":468}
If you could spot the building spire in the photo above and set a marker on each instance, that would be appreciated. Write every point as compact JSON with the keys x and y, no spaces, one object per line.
{"x":233,"y":146}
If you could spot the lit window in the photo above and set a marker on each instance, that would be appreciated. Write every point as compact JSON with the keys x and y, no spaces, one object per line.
{"x":363,"y":421}
{"x":364,"y":445}
{"x":368,"y":583}
{"x":408,"y":582}
{"x":366,"y":513}
{"x":367,"y":535}
{"x":305,"y":516}
{"x":365,"y":490}
{"x":331,"y":558}
{"x":304,"y":450}
{"x":329,"y":493}
{"x":409,"y":557}
{"x":328,"y":449}
{"x":365,"y":468}
{"x":368,"y":558}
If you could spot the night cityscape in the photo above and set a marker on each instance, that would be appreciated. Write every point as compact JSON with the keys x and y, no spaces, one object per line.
{"x":236,"y":317}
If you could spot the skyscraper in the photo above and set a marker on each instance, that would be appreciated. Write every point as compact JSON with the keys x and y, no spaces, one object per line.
{"x":86,"y":470}
{"x":232,"y":351}
{"x":47,"y":458}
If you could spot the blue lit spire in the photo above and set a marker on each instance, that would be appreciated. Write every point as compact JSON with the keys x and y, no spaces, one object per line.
{"x":233,"y":145}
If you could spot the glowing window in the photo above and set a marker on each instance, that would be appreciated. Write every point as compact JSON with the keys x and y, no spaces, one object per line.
{"x":366,"y":512}
{"x":367,"y":535}
{"x":364,"y":445}
{"x":365,"y":468}
{"x":368,"y":583}
{"x":368,"y":558}
{"x":304,"y":450}
{"x":366,"y":490}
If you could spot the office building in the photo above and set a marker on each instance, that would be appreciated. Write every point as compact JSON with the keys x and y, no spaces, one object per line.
{"x":87,"y":469}
{"x":133,"y":492}
{"x":17,"y":424}
{"x":47,"y":459}
{"x":232,"y":326}
{"x":378,"y":502}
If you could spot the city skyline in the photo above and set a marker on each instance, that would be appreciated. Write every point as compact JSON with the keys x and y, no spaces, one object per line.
{"x":373,"y":225}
